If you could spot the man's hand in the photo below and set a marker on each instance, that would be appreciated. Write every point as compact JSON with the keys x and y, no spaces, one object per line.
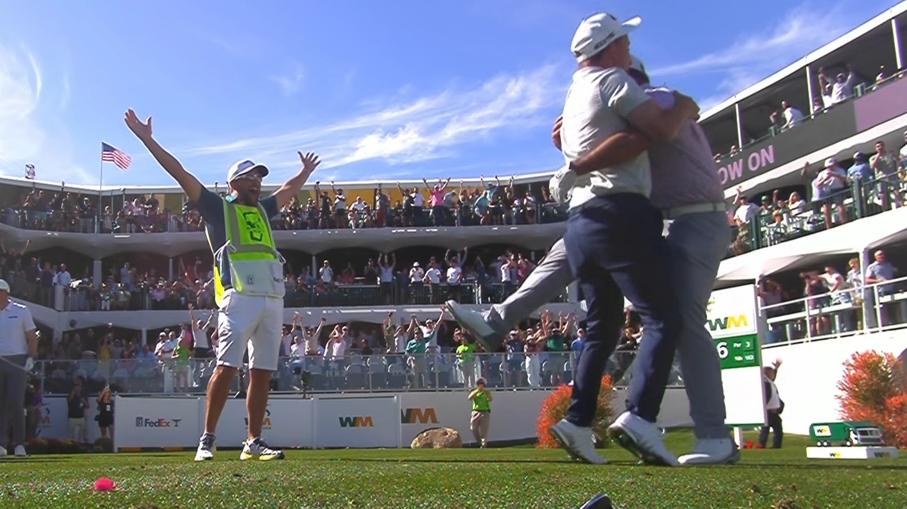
{"x":309,"y":161}
{"x":688,"y":104}
{"x":141,"y":130}
{"x":556,"y":132}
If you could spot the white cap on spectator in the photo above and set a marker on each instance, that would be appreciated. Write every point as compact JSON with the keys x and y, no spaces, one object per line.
{"x":830,"y":162}
{"x":162,"y":335}
{"x":240,"y":168}
{"x":596,"y":32}
{"x":415,"y":264}
{"x":4,"y":286}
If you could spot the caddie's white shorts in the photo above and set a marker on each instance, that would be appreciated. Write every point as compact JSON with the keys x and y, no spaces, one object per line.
{"x":253,"y":321}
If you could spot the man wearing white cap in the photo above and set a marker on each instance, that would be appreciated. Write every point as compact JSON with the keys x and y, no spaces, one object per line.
{"x":18,"y":345}
{"x":613,"y":240}
{"x":248,"y":279}
{"x":685,"y":186}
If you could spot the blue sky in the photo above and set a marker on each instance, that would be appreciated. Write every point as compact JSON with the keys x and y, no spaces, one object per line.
{"x":382,"y":90}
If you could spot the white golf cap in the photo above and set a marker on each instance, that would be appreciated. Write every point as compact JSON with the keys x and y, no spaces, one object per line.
{"x":415,"y":264}
{"x":831,"y":161}
{"x":4,"y":286}
{"x":240,"y":168}
{"x":596,"y":32}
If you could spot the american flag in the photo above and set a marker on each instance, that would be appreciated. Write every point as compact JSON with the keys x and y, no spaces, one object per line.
{"x":115,"y":155}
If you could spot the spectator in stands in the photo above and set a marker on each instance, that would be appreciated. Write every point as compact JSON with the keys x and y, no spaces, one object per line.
{"x":841,"y":89}
{"x":841,"y":294}
{"x":508,"y":275}
{"x":339,"y":206}
{"x":855,"y":277}
{"x":792,"y":116}
{"x":814,"y":290}
{"x":827,"y":190}
{"x":882,"y":76}
{"x":769,"y":293}
{"x":860,"y":172}
{"x":326,"y":273}
{"x":416,"y":278}
{"x":773,"y":407}
{"x":534,"y":345}
{"x":416,"y":350}
{"x":433,"y":278}
{"x":818,"y":105}
{"x":746,"y":210}
{"x":886,"y":166}
{"x":438,"y":207}
{"x":796,"y":204}
{"x":902,"y":156}
{"x":382,"y":207}
{"x":880,"y":271}
{"x":77,"y":402}
{"x":466,"y":358}
{"x":455,"y":274}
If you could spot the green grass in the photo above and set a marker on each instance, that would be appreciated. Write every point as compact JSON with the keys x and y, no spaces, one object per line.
{"x":492,"y":478}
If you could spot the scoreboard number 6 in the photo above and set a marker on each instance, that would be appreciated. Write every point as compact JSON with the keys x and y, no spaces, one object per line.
{"x":722,"y":350}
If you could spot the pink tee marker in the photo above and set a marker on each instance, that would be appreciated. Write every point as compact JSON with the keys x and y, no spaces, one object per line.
{"x":105,"y":484}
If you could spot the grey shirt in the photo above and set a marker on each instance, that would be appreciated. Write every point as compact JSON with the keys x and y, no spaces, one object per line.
{"x":598,"y":104}
{"x":683,"y":170}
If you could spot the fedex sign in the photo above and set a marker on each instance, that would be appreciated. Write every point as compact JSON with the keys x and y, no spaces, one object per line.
{"x":160,"y":422}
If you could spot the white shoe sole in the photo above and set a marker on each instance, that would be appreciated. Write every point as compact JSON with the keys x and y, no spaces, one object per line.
{"x":732,"y":459}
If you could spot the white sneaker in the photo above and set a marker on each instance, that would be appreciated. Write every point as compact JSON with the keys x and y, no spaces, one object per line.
{"x":642,"y":438}
{"x":206,"y":448}
{"x":475,"y":323}
{"x":2,"y":451}
{"x":20,"y":451}
{"x":712,"y":451}
{"x":258,"y":448}
{"x":577,"y":441}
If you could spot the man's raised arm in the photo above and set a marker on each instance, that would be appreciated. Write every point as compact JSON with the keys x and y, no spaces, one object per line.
{"x":289,"y":188}
{"x":186,"y":180}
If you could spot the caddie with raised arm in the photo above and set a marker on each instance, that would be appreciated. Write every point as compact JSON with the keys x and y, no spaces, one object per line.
{"x":248,"y":278}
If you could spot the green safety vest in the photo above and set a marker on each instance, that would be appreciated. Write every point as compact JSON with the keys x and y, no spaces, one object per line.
{"x":256,"y":267}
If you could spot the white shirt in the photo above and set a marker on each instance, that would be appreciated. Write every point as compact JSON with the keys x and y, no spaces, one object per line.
{"x":792,"y":116}
{"x":311,"y":343}
{"x":418,"y":200}
{"x":433,"y":275}
{"x":359,"y":206}
{"x":165,"y":348}
{"x":841,"y":92}
{"x":505,"y":273}
{"x":335,"y":349}
{"x":327,"y":274}
{"x":746,"y":213}
{"x":416,"y":274}
{"x":597,"y":106}
{"x":454,"y":275}
{"x":15,"y":321}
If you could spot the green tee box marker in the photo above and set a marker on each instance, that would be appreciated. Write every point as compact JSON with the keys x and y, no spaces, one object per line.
{"x":738,"y":351}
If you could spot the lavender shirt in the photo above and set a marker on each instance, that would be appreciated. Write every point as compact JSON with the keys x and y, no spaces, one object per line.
{"x":683,"y":171}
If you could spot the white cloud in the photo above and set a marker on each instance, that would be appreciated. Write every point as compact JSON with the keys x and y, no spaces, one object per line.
{"x":291,"y":82}
{"x":29,"y":131}
{"x":417,"y":129}
{"x":751,"y":58}
{"x":21,"y":84}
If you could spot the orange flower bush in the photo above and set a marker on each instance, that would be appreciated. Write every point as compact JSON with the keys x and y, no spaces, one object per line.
{"x":870,"y":392}
{"x":554,"y":408}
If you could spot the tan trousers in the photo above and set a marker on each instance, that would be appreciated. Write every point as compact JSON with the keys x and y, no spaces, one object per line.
{"x":478,"y":424}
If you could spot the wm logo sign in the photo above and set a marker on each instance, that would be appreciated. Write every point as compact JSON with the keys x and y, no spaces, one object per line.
{"x":728,"y":322}
{"x":357,"y":422}
{"x":419,"y":416}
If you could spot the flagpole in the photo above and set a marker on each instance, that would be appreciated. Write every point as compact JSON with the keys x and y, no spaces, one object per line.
{"x":97,"y":226}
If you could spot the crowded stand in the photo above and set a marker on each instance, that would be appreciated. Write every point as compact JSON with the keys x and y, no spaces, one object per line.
{"x":495,"y":203}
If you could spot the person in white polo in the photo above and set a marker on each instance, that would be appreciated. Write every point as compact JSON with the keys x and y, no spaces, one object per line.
{"x":248,"y":281}
{"x":18,"y":345}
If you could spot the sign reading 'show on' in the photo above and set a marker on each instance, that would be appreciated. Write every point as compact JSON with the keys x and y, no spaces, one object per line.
{"x":156,"y":422}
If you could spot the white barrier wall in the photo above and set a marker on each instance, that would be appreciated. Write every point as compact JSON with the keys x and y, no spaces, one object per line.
{"x":156,"y":422}
{"x":357,"y":421}
{"x":345,"y":420}
{"x":809,"y":374}
{"x":54,"y":419}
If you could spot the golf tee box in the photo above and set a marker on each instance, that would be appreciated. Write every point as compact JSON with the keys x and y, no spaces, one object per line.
{"x":851,"y":453}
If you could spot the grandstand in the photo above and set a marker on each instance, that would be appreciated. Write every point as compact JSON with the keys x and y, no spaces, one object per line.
{"x":136,"y":256}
